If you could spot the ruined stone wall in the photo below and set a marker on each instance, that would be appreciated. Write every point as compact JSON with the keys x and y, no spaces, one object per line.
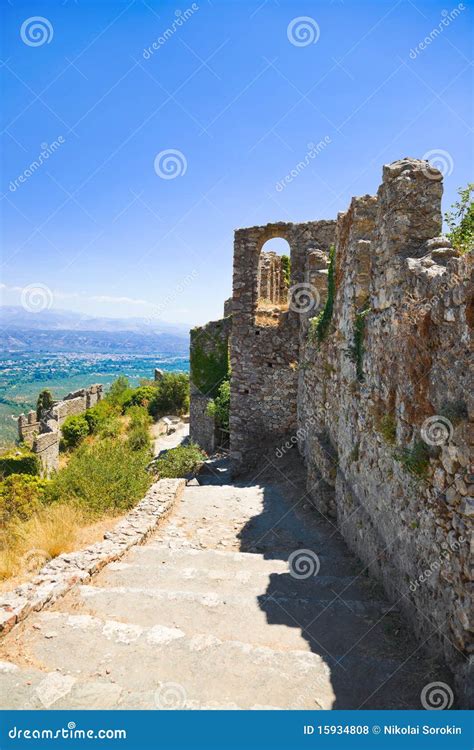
{"x":264,"y":357}
{"x":209,"y":365}
{"x":43,"y":435}
{"x":385,"y":412}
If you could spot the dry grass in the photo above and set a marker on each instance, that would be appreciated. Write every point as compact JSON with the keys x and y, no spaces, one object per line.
{"x":58,"y":528}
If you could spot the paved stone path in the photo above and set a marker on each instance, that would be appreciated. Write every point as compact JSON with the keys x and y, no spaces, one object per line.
{"x":208,"y":614}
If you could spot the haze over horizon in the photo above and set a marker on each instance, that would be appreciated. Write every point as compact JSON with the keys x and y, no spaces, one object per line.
{"x":156,"y":154}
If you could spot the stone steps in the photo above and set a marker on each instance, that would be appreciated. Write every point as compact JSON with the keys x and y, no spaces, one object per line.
{"x":361,"y":624}
{"x":205,"y":669}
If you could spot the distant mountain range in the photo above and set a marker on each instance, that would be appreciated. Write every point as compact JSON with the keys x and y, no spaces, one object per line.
{"x":67,"y":331}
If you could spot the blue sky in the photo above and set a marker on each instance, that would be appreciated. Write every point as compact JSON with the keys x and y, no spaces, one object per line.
{"x":229,"y":89}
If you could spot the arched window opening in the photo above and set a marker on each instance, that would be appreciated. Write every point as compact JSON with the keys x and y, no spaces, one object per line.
{"x":273,"y":281}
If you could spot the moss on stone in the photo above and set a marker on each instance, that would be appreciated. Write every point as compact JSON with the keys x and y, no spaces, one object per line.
{"x":209,"y":364}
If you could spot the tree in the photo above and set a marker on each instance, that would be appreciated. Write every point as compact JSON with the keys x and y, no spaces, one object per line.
{"x":44,"y":403}
{"x":460,"y":220}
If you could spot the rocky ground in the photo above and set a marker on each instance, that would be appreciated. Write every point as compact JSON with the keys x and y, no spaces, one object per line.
{"x":214,"y":612}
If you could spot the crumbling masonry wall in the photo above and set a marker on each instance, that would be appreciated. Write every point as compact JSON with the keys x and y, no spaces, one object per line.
{"x":385,"y":411}
{"x":43,"y":435}
{"x":264,"y":358}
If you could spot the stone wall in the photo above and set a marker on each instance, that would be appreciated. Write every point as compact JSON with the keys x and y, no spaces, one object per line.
{"x":264,"y":358}
{"x":379,"y":401}
{"x":209,"y":365}
{"x":384,"y":406}
{"x":43,"y":435}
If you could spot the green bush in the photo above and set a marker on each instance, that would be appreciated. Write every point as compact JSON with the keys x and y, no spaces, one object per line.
{"x":208,"y":369}
{"x":99,"y":415}
{"x":357,"y":348}
{"x":21,"y":495}
{"x":141,"y":396}
{"x":74,"y":429}
{"x":171,"y":395}
{"x":138,"y":428}
{"x":18,"y":461}
{"x":460,"y":220}
{"x":102,"y":477}
{"x":219,"y":407}
{"x":119,"y":392}
{"x":180,"y":461}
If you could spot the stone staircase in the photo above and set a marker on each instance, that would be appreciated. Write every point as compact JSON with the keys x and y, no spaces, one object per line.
{"x":209,"y":614}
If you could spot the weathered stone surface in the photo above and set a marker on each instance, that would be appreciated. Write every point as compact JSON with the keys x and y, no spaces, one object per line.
{"x":65,"y":571}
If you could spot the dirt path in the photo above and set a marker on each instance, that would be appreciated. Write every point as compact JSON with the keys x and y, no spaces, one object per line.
{"x":215,"y":611}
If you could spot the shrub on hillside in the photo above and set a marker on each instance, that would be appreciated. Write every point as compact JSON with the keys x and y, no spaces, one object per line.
{"x":74,"y":429}
{"x":179,"y":462}
{"x":99,"y":415}
{"x":140,"y":396}
{"x":103,"y":476}
{"x":21,"y":495}
{"x":119,"y":391}
{"x":138,"y":428}
{"x":18,"y":461}
{"x":171,"y":396}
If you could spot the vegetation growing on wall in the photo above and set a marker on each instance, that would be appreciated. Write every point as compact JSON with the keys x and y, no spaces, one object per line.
{"x":286,"y":268}
{"x":208,"y":370}
{"x":219,"y":407}
{"x":357,"y":348}
{"x":415,"y":460}
{"x":460,"y":220}
{"x":319,"y":326}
